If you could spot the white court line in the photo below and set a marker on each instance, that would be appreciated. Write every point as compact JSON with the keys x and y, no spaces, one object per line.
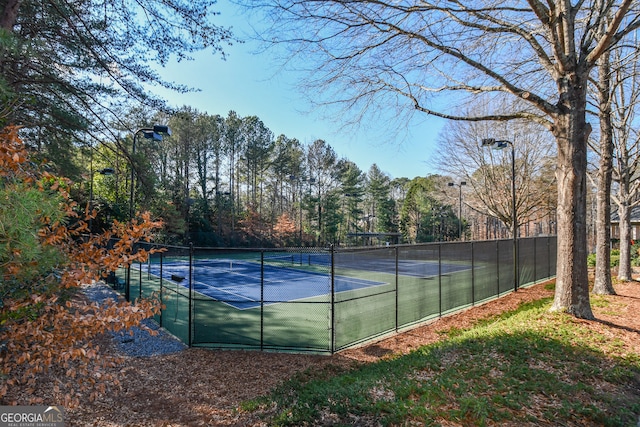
{"x":214,"y":269}
{"x":207,"y":285}
{"x":231,"y":272}
{"x":360,"y":283}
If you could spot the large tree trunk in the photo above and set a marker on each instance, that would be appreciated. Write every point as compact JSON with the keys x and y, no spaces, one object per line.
{"x":602,"y":283}
{"x":624,"y":267}
{"x":9,"y":14}
{"x":571,"y":132}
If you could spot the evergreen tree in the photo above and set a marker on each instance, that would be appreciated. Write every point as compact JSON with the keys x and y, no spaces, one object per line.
{"x":352,"y":180}
{"x":68,"y":66}
{"x":379,"y":196}
{"x":321,"y":163}
{"x":423,"y":218}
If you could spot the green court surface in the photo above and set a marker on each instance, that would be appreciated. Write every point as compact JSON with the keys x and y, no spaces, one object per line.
{"x":299,"y":308}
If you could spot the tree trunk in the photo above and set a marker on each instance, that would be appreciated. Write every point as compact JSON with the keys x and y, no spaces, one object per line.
{"x":602,"y":284}
{"x":9,"y":14}
{"x":571,"y":132}
{"x":624,"y":267}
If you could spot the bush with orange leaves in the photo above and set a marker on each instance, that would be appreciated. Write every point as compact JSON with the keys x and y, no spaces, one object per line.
{"x":46,"y":327}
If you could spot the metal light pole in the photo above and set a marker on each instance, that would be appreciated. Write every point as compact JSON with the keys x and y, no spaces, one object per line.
{"x":105,"y":171}
{"x":498,"y":145}
{"x":154,"y":133}
{"x":451,"y":184}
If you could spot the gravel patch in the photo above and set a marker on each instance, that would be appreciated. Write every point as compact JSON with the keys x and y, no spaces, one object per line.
{"x":136,"y":342}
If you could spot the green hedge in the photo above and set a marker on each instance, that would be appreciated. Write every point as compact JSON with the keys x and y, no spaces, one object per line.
{"x":615,"y":257}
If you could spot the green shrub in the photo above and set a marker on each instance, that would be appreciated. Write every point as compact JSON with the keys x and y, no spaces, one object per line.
{"x":615,"y":259}
{"x":635,"y":254}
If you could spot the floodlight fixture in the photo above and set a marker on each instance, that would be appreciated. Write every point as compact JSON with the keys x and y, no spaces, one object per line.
{"x":107,"y":171}
{"x":162,"y":129}
{"x":498,"y":145}
{"x":149,"y":134}
{"x":488,"y":142}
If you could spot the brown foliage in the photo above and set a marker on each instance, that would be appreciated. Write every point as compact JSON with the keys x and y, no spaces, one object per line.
{"x":253,"y":226}
{"x":52,"y":329}
{"x":285,"y":229}
{"x":285,"y":226}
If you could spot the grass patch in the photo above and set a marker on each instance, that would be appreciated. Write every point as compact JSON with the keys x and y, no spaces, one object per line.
{"x":524,"y":366}
{"x":599,"y":301}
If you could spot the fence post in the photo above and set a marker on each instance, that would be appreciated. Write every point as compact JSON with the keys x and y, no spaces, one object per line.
{"x":161,"y":289}
{"x":397,"y":289}
{"x":440,"y":279}
{"x":140,"y":279}
{"x":127,"y":286}
{"x":333,"y":301}
{"x":498,"y":267}
{"x":535,"y":253}
{"x":473,"y":275}
{"x":552,"y":270}
{"x":549,"y":257}
{"x":261,"y":300}
{"x":516,"y":263}
{"x":190,"y":322}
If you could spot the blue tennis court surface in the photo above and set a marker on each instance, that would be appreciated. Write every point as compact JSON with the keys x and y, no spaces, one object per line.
{"x":238,"y":283}
{"x":405,"y":267}
{"x":423,"y":268}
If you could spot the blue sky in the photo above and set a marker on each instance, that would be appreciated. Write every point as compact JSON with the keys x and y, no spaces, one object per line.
{"x":250,"y":84}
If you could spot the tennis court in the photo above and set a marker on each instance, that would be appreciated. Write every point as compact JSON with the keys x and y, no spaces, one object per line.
{"x":325,"y":300}
{"x":405,"y":267}
{"x":246,"y":284}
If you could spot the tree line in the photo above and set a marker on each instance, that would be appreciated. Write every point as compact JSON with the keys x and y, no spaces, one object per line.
{"x":228,"y":181}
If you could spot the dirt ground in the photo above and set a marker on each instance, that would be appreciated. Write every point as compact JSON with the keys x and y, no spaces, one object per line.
{"x":199,"y":387}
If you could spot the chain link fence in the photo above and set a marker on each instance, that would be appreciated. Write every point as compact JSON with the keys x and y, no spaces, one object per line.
{"x":326,"y":300}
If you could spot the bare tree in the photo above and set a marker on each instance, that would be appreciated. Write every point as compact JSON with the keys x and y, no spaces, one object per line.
{"x":618,"y":151}
{"x":626,"y":141}
{"x":377,"y":52}
{"x":488,"y":173}
{"x":602,"y":281}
